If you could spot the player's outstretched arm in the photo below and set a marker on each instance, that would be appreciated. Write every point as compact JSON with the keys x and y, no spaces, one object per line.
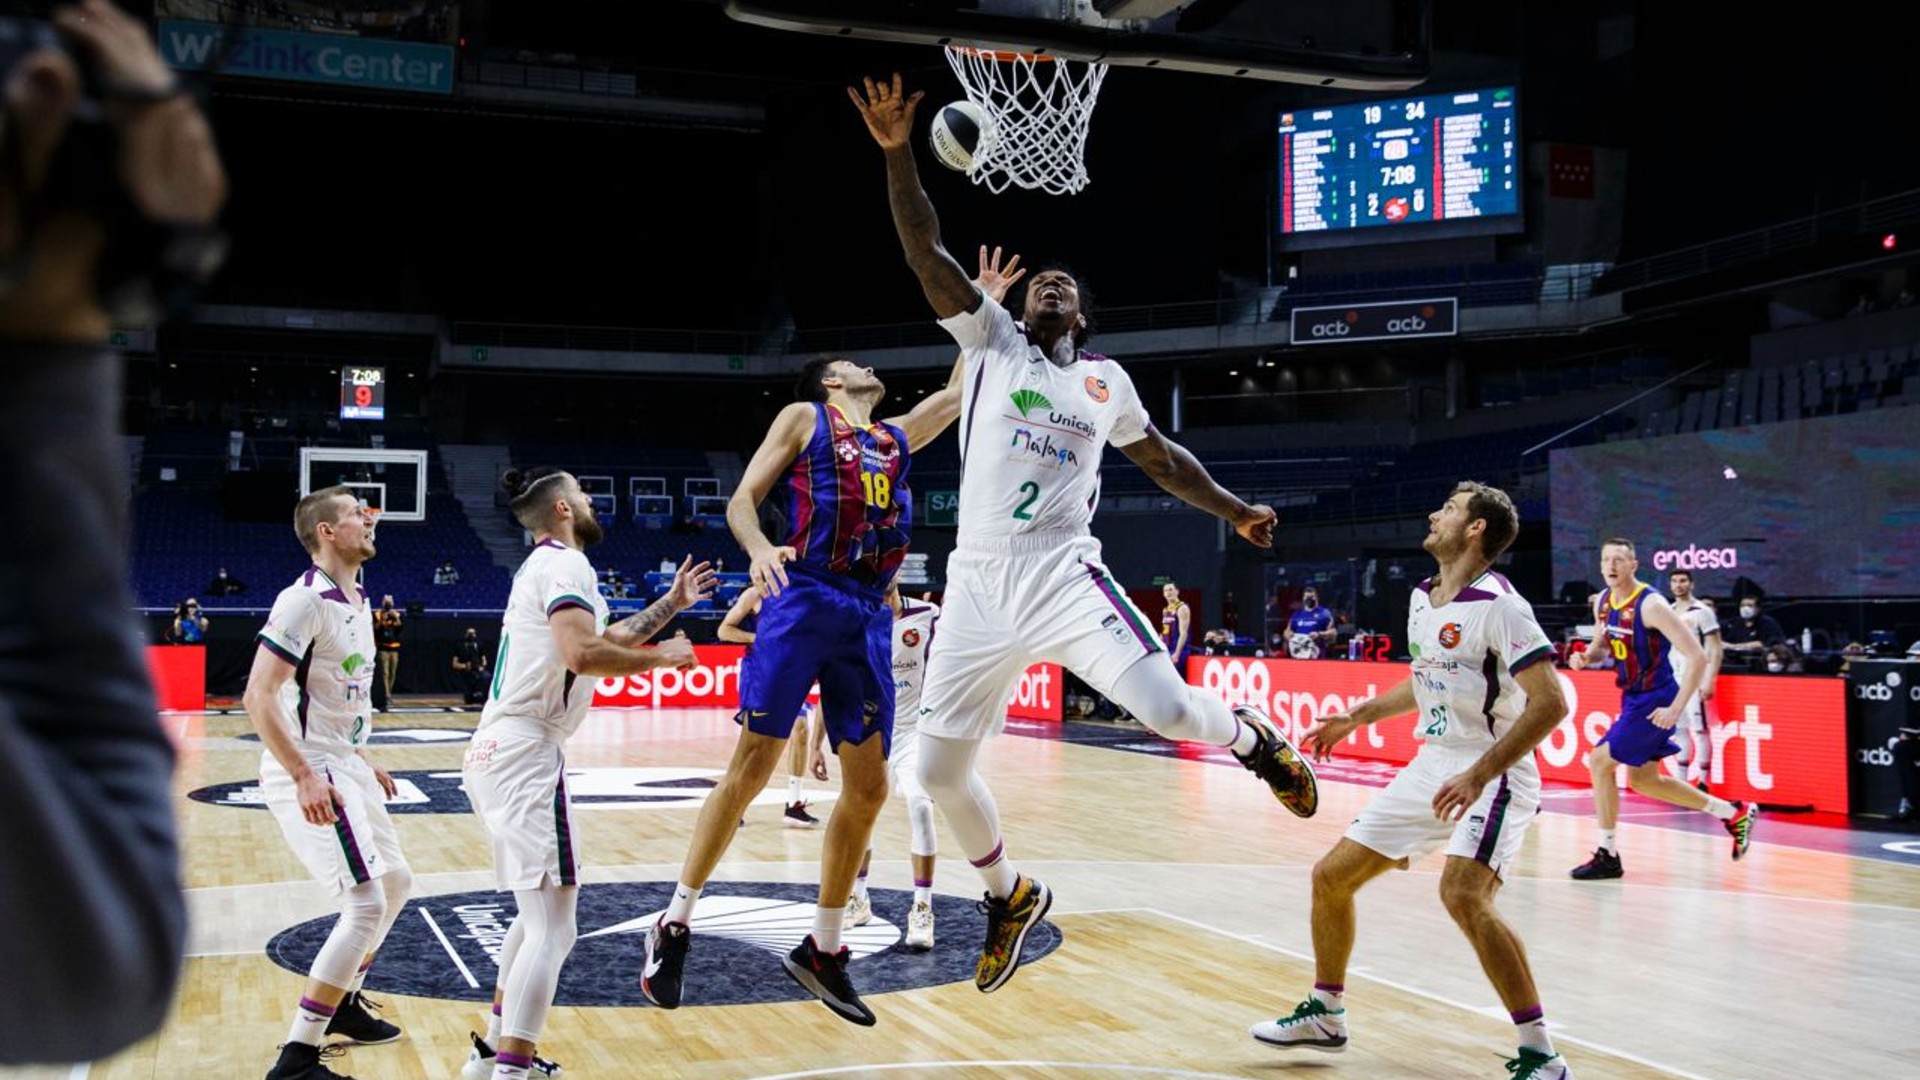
{"x":888,"y":112}
{"x":927,"y":420}
{"x":1180,"y":473}
{"x":691,"y":584}
{"x":1322,"y":738}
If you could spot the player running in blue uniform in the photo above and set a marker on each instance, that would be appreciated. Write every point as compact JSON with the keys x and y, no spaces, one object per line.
{"x":1640,"y":631}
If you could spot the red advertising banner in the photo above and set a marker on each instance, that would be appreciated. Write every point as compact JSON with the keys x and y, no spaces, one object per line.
{"x":715,"y":683}
{"x":179,"y":676}
{"x":1776,"y":740}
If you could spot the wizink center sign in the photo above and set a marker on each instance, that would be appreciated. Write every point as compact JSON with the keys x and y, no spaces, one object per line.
{"x":1376,"y":322}
{"x":319,"y":58}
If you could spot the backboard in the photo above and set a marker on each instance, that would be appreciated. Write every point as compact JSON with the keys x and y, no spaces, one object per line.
{"x":1354,"y":45}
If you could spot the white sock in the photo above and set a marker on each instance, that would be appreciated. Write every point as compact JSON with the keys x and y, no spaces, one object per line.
{"x":1334,"y":1000}
{"x":1608,"y":843}
{"x":493,"y":1026}
{"x":1533,"y":1033}
{"x":1245,"y":739}
{"x":826,"y":928}
{"x":310,"y":1020}
{"x":1000,"y":877}
{"x":681,"y":909}
{"x":923,"y":894}
{"x":1720,"y":808}
{"x":796,"y":787}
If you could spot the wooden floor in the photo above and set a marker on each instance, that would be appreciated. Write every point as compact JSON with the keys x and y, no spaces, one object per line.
{"x":1182,"y":895}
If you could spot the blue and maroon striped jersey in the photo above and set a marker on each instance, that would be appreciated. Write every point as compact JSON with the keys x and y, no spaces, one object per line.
{"x":1642,"y":656}
{"x":847,"y":501}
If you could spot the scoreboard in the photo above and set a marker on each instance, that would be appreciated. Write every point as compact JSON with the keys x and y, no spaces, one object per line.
{"x":363,"y":393}
{"x":1410,"y":163}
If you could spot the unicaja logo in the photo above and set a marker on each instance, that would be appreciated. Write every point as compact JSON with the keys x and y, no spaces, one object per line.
{"x":1693,"y":557}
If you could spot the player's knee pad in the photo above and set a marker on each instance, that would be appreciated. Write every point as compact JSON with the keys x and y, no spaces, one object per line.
{"x":397,"y":884}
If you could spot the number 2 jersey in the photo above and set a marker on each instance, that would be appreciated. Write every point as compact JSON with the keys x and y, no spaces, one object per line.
{"x":530,"y":683}
{"x":1032,"y":432}
{"x":328,"y":639}
{"x":1465,"y":656}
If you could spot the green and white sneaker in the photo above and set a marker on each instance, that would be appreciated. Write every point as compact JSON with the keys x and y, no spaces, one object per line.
{"x":1534,"y":1065}
{"x":1312,"y":1026}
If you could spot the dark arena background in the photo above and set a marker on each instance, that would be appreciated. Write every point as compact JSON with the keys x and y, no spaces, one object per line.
{"x":1650,"y":268}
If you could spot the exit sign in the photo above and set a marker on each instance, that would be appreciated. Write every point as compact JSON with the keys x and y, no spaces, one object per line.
{"x":943,"y":508}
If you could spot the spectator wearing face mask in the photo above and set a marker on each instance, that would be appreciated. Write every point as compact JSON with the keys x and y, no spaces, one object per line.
{"x":1752,"y":632}
{"x":1310,"y":631}
{"x":1781,"y":660}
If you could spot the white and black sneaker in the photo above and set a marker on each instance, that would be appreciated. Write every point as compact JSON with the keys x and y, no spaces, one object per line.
{"x":825,"y":977}
{"x":482,"y":1058}
{"x":667,"y":945}
{"x":1312,"y":1026}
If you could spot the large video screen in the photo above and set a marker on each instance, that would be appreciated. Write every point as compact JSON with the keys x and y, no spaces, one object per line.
{"x":1439,"y":165}
{"x":1813,"y":508}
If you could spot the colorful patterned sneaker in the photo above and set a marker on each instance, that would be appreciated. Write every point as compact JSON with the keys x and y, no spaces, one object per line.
{"x":1740,"y":827}
{"x":1287,"y":773}
{"x":1008,"y":922}
{"x":1312,"y":1026}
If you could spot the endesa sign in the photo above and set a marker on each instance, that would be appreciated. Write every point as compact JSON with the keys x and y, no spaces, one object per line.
{"x":1776,"y":740}
{"x":715,"y":683}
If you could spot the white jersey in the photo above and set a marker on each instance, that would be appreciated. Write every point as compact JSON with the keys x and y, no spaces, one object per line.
{"x":529,"y":681}
{"x":1701,"y":619}
{"x":328,"y":638}
{"x":1031,"y":431}
{"x":911,"y":633}
{"x":1465,"y":655}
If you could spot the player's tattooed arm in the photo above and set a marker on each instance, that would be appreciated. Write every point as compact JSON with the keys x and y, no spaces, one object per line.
{"x":1179,"y":473}
{"x":888,"y":112}
{"x":637,"y":629}
{"x":691,"y":584}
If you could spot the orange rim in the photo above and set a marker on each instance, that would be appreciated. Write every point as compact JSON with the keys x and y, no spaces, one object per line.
{"x":1006,"y":57}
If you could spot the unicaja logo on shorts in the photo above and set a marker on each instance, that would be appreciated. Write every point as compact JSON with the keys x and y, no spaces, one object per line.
{"x":1693,"y":557}
{"x":1450,"y":635}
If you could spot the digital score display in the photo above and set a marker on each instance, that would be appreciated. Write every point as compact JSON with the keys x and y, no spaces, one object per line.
{"x":1409,"y":162}
{"x":363,"y":393}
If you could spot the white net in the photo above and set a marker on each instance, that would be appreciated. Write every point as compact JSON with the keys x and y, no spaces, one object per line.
{"x":1038,"y":108}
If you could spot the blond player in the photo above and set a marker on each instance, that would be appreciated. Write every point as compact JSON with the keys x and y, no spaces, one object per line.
{"x":1483,"y":694}
{"x":309,"y":696}
{"x":553,"y":640}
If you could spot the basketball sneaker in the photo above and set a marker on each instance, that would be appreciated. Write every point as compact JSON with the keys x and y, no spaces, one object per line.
{"x":859,"y":911}
{"x":352,"y":1021}
{"x":1008,"y":922}
{"x":1740,"y":827}
{"x":1312,"y":1026}
{"x":667,"y":945}
{"x":797,"y":817}
{"x":1534,"y":1065}
{"x":1274,"y":760}
{"x":920,"y":928}
{"x":300,"y":1061}
{"x":482,"y":1058}
{"x":825,"y":976}
{"x":1604,"y":865}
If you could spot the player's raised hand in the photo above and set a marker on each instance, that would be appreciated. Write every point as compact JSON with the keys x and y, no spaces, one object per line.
{"x":995,"y":281}
{"x":692,"y":583}
{"x":888,"y":111}
{"x":767,"y":571}
{"x":1255,"y":525}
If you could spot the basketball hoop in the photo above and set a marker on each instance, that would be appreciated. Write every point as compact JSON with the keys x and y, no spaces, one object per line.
{"x":1040,"y":107}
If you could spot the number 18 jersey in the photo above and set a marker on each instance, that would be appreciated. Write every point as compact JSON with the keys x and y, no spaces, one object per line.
{"x":1465,"y":655}
{"x":1031,"y":431}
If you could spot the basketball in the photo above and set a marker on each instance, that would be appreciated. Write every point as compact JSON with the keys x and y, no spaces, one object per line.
{"x":958,"y":131}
